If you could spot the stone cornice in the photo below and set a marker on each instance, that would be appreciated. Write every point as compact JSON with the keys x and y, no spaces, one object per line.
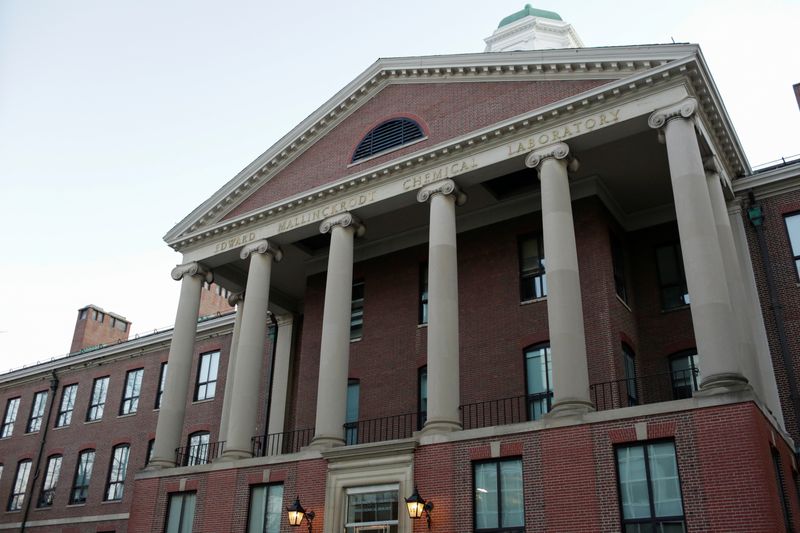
{"x":779,"y":180}
{"x":643,"y":75}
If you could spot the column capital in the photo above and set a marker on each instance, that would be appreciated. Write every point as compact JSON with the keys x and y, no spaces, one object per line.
{"x":192,"y":269}
{"x":683,"y":109}
{"x":345,"y":220}
{"x":554,"y":151}
{"x":445,"y":187}
{"x":235,"y":298}
{"x":262,"y":247}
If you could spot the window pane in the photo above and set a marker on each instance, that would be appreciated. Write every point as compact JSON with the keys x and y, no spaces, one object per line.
{"x":793,"y":227}
{"x":664,"y":477}
{"x":511,"y":489}
{"x":274,"y":509}
{"x":372,"y":507}
{"x":633,"y":482}
{"x":486,"y":502}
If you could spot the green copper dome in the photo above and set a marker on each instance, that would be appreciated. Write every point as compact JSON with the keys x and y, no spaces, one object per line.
{"x":529,"y":11}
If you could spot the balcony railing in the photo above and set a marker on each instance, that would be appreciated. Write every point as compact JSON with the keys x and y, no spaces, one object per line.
{"x":199,"y":454}
{"x":381,"y":429}
{"x":281,"y":443}
{"x":644,"y":389}
{"x":505,"y":411}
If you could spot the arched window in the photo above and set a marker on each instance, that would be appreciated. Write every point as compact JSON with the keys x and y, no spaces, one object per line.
{"x":83,"y":475}
{"x":197,"y":451}
{"x":117,"y":472}
{"x":386,"y":136}
{"x":52,"y":473}
{"x":538,"y":380}
{"x":684,"y":374}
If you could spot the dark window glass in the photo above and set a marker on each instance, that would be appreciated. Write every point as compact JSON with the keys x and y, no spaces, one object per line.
{"x":671,"y":278}
{"x":498,"y":496}
{"x":12,"y":408}
{"x":162,"y":380}
{"x":67,"y":405}
{"x":83,"y":475}
{"x":37,"y":411}
{"x":629,"y":361}
{"x":793,"y":228}
{"x":266,"y":509}
{"x":422,"y":395}
{"x":357,"y":311}
{"x":649,"y":488}
{"x":133,"y":388}
{"x":97,"y":403}
{"x":51,"y":476}
{"x":207,"y":376}
{"x":116,"y":472}
{"x":388,"y":135}
{"x":351,"y":415}
{"x":197,"y":453}
{"x":423,"y":293}
{"x":180,"y":514}
{"x":150,"y":444}
{"x":371,"y":509}
{"x":532,"y":277}
{"x":685,"y":374}
{"x":17,"y":497}
{"x":538,"y":380}
{"x":780,"y":484}
{"x":618,"y":265}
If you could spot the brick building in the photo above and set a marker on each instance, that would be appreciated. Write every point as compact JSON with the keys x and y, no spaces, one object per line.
{"x":542,"y":287}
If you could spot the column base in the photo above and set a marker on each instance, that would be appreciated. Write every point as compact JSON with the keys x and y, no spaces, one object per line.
{"x":230,"y":454}
{"x":570,"y":407}
{"x":324,"y":442}
{"x":159,"y":464}
{"x":725,"y":382}
{"x":432,"y":427}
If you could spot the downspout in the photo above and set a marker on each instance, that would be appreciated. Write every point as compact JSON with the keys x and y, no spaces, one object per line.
{"x":756,"y":216}
{"x":271,"y":379}
{"x":42,"y":441}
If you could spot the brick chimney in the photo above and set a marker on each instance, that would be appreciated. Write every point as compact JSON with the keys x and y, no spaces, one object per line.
{"x":95,"y":327}
{"x":214,"y":301}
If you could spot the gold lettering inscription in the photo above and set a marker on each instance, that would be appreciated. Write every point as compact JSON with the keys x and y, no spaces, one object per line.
{"x":563,"y":132}
{"x":439,"y":173}
{"x":234,"y":242}
{"x":326,"y":211}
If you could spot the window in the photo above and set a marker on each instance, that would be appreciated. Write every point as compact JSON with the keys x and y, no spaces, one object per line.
{"x":684,"y":373}
{"x":207,"y":376}
{"x":266,"y":509}
{"x":37,"y":411}
{"x":118,"y":324}
{"x":780,"y":485}
{"x":372,"y":509}
{"x":50,"y":481}
{"x":423,"y":293}
{"x":83,"y":475}
{"x":162,"y":380}
{"x":618,"y":266}
{"x":117,"y":471}
{"x":532,"y":278}
{"x":538,"y":380}
{"x":12,"y":408}
{"x":629,"y":362}
{"x":497,"y":496}
{"x":422,"y":396}
{"x":649,"y":488}
{"x":387,"y":135}
{"x":150,"y":445}
{"x":98,"y":402}
{"x":133,"y":387}
{"x":793,"y":228}
{"x":671,"y":278}
{"x":98,"y":316}
{"x":82,"y":314}
{"x":180,"y":514}
{"x":17,"y":497}
{"x":67,"y":405}
{"x":197,"y":452}
{"x":357,"y":311}
{"x":351,"y":414}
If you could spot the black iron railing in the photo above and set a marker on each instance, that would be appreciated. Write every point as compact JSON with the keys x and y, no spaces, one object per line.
{"x":282,"y":443}
{"x":381,"y":429}
{"x":653,"y":388}
{"x":199,"y":454}
{"x":505,"y":410}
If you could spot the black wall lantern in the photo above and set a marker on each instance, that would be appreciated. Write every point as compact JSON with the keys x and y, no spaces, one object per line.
{"x":416,"y":505}
{"x":295,"y":513}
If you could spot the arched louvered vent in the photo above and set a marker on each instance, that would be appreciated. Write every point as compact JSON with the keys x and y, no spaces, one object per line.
{"x":388,"y":135}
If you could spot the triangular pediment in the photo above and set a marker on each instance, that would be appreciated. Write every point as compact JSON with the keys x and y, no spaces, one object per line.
{"x":450,"y":96}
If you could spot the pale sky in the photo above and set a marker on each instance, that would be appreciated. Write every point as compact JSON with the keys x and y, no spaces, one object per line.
{"x":117,"y":118}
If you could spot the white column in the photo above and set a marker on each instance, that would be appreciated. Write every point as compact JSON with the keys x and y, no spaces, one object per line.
{"x":173,"y":403}
{"x":280,"y":380}
{"x":564,"y":305}
{"x":712,"y":316}
{"x":250,"y":350}
{"x":236,"y":300}
{"x":444,"y":392}
{"x":334,"y":356}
